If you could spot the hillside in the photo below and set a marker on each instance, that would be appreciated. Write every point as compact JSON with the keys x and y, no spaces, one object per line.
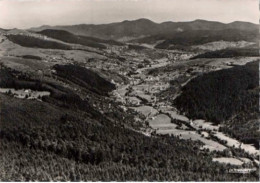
{"x":230,"y":53}
{"x":83,"y":40}
{"x":84,"y":77}
{"x":34,"y":42}
{"x":64,"y":138}
{"x":224,"y":90}
{"x":54,"y":139}
{"x":228,"y":97}
{"x":197,"y":37}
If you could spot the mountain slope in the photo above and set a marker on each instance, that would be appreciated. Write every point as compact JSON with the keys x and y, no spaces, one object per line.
{"x":64,"y":138}
{"x":229,"y":97}
{"x":230,"y":53}
{"x":34,"y":42}
{"x":84,"y":77}
{"x":76,"y":39}
{"x":196,"y":37}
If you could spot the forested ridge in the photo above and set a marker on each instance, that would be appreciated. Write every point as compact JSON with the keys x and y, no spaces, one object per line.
{"x":230,"y":53}
{"x":34,"y":42}
{"x":229,"y":97}
{"x":71,"y":38}
{"x":77,"y":39}
{"x":84,"y":77}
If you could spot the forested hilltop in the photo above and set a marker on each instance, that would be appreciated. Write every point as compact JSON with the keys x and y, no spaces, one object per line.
{"x":229,"y":96}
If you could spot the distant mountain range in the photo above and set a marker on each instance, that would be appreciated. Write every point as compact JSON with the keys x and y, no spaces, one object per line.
{"x":140,"y":28}
{"x":166,"y":35}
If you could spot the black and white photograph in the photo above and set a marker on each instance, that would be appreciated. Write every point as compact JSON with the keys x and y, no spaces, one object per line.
{"x":129,"y":90}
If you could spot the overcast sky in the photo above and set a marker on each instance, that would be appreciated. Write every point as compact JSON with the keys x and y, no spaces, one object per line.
{"x":30,"y":13}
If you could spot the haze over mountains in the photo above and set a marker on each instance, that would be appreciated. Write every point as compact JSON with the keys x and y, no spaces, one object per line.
{"x":145,"y":27}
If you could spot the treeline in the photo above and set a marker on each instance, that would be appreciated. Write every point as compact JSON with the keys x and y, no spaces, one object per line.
{"x":197,"y":37}
{"x":216,"y":96}
{"x":229,"y":53}
{"x":59,"y":95}
{"x":84,"y":77}
{"x":229,"y":96}
{"x":69,"y":145}
{"x":78,"y":39}
{"x":34,"y":57}
{"x":243,"y":127}
{"x":34,"y":42}
{"x":66,"y":139}
{"x":51,"y":167}
{"x":71,"y":38}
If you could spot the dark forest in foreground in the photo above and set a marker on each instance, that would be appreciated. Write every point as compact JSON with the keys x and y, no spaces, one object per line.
{"x":61,"y":139}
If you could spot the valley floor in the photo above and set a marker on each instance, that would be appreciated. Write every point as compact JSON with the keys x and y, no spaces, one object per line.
{"x":163,"y":118}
